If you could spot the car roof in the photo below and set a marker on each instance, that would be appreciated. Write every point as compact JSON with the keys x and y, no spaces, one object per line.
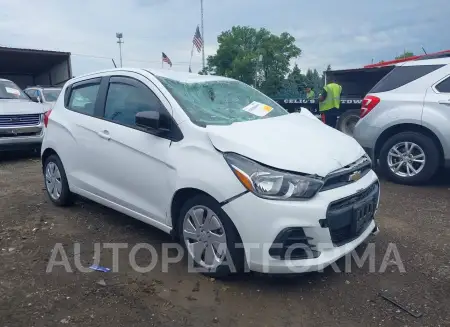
{"x":424,"y":62}
{"x":5,"y":80}
{"x":44,"y":87}
{"x":184,"y":77}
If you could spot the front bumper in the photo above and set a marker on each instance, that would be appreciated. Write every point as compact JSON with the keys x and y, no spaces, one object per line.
{"x":260,"y":221}
{"x":21,"y":137}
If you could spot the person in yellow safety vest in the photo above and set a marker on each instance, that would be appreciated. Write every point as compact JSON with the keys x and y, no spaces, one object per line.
{"x":329,"y":103}
{"x":310,"y":94}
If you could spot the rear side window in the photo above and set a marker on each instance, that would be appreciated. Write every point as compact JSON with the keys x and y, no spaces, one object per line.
{"x":403,"y":75}
{"x":83,"y":96}
{"x":444,"y":86}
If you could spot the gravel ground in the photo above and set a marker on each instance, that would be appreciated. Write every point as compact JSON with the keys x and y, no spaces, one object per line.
{"x":415,"y":219}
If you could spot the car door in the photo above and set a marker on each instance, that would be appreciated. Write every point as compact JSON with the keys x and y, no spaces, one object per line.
{"x":436,"y":113}
{"x":82,"y":120}
{"x":135,"y":162}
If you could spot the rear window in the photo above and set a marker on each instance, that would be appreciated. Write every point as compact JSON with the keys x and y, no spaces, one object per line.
{"x":403,"y":75}
{"x":444,"y":86}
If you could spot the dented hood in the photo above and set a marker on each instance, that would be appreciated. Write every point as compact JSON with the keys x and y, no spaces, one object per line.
{"x":296,"y":142}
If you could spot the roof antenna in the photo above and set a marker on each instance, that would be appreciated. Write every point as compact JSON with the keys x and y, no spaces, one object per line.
{"x":424,"y":51}
{"x":115,"y":66}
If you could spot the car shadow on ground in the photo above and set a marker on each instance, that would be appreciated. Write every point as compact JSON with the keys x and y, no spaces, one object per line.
{"x":10,"y":157}
{"x":441,"y":179}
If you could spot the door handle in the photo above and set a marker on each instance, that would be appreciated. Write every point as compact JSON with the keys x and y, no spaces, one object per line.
{"x":446,"y":102}
{"x":104,"y":135}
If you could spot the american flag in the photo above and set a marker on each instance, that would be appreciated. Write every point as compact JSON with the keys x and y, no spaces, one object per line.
{"x":198,"y":41}
{"x":166,"y":59}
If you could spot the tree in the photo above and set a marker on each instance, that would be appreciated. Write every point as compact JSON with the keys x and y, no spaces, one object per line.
{"x":204,"y":71}
{"x":316,"y":81}
{"x":255,"y":57}
{"x":328,"y":68}
{"x":297,"y":79}
{"x":405,"y":55}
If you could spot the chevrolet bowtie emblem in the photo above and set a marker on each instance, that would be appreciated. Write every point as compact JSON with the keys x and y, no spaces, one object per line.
{"x":355,"y":176}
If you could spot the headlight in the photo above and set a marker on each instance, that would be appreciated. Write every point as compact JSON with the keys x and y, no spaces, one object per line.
{"x":270,"y":183}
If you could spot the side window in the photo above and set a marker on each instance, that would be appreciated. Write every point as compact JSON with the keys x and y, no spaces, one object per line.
{"x":31,"y":92}
{"x":83,"y":96}
{"x":403,"y":75}
{"x":444,"y":86}
{"x":126,"y":97}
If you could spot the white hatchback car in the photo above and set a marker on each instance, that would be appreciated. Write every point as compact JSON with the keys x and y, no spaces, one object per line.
{"x":215,"y":163}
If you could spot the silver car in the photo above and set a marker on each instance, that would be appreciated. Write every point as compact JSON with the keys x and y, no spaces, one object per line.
{"x":21,"y":120}
{"x":405,"y":121}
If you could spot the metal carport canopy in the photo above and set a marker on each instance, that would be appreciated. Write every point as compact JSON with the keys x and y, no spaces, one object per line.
{"x":29,"y":61}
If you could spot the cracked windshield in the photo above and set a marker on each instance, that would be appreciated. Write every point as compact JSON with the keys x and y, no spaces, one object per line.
{"x":222,"y":102}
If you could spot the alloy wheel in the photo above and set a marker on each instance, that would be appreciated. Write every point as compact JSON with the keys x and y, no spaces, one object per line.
{"x":406,"y":159}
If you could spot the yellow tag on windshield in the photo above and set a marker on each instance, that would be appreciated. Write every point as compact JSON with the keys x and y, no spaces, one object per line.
{"x":258,"y":109}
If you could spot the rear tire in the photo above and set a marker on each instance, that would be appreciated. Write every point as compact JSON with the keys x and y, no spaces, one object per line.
{"x":347,"y":121}
{"x":55,"y":180}
{"x":392,"y":153}
{"x":224,"y":231}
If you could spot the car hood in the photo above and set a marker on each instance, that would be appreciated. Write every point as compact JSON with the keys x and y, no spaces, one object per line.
{"x":295,"y":142}
{"x":19,"y":107}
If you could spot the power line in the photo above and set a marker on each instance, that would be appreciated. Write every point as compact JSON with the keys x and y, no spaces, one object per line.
{"x":133,"y":60}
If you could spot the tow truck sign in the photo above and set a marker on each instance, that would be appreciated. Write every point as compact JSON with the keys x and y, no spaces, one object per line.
{"x":305,"y":101}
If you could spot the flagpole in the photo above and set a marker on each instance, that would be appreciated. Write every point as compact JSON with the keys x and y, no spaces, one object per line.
{"x":203,"y":34}
{"x":162,"y":62}
{"x":192,"y":53}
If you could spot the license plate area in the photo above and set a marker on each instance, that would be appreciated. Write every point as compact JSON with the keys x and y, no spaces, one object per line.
{"x":347,"y":218}
{"x":363,"y":214}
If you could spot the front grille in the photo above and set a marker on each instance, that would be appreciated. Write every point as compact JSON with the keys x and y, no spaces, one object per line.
{"x":348,"y":202}
{"x":20,"y":120}
{"x":348,"y":174}
{"x":20,"y":134}
{"x":340,"y":215}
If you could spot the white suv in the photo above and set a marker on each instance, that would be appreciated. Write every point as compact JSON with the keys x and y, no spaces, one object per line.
{"x":215,"y":163}
{"x":405,"y":120}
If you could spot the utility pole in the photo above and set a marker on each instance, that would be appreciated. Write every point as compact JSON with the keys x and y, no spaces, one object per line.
{"x":203,"y":34}
{"x":119,"y":36}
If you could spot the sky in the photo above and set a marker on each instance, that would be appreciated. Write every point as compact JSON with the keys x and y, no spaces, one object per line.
{"x":344,"y":34}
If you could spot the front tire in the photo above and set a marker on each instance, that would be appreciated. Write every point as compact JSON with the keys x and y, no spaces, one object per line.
{"x":55,"y":180}
{"x":409,"y":158}
{"x":210,"y":237}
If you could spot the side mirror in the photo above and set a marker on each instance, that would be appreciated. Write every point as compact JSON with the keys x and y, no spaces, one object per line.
{"x":148,"y":119}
